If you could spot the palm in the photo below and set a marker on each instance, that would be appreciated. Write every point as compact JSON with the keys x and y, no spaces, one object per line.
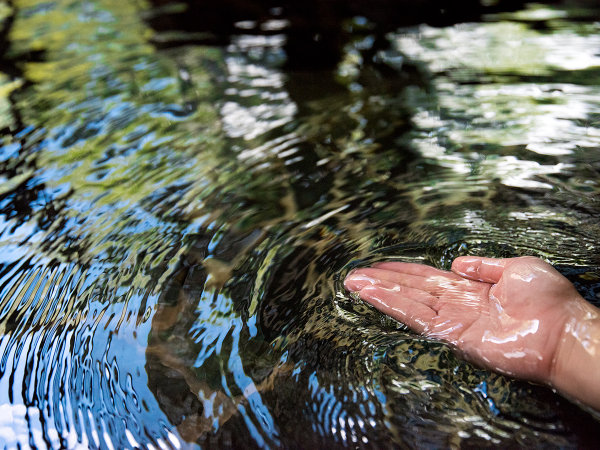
{"x":510,"y":321}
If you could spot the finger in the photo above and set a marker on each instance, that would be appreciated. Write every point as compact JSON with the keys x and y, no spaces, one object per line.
{"x":412,"y":269}
{"x":429,"y":284}
{"x":414,"y":314}
{"x":356,"y":283}
{"x":488,"y":270}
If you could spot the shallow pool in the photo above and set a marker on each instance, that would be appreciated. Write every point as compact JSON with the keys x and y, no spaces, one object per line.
{"x":179,"y":205}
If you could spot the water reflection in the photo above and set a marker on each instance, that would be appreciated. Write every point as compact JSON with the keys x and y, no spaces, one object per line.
{"x":316,"y":32}
{"x":176,"y":223}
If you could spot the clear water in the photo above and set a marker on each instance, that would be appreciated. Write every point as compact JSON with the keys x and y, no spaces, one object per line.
{"x":176,"y":220}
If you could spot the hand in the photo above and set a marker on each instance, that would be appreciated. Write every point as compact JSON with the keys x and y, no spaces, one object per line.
{"x":509,"y":315}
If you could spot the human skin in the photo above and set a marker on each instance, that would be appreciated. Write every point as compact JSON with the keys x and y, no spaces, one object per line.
{"x":516,"y":316}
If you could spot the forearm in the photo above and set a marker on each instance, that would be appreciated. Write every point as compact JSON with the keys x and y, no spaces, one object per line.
{"x":576,"y":365}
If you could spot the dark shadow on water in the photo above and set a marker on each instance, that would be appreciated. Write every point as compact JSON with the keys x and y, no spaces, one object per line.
{"x":316,"y":31}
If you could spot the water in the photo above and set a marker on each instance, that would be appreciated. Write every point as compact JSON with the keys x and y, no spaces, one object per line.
{"x":177,"y":219}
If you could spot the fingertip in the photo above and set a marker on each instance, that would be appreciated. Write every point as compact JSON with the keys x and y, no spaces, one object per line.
{"x":350,"y":284}
{"x":479,"y":268}
{"x":465,"y":264}
{"x":355,"y":281}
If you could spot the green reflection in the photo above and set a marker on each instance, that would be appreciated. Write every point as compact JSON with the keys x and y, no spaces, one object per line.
{"x":240,"y":194}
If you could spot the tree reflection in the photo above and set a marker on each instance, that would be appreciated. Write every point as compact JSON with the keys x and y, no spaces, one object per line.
{"x":316,"y":31}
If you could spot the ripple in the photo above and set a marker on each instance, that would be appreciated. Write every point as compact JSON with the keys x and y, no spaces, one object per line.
{"x":176,"y":225}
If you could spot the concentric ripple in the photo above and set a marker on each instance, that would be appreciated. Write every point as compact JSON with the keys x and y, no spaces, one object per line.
{"x":176,"y":224}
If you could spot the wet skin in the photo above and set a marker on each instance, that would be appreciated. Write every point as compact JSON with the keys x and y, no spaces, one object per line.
{"x":517,"y":316}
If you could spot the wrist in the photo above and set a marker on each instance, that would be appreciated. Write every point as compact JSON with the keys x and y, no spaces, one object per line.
{"x":576,"y":361}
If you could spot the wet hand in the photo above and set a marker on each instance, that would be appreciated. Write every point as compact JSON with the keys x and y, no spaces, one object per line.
{"x":509,"y":315}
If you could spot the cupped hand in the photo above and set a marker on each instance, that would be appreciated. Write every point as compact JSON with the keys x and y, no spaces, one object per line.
{"x":508,"y":315}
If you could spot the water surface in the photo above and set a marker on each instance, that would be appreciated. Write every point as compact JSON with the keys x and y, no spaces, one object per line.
{"x":177,"y":218}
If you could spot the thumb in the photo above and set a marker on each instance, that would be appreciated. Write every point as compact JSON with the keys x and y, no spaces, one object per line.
{"x":476,"y":268}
